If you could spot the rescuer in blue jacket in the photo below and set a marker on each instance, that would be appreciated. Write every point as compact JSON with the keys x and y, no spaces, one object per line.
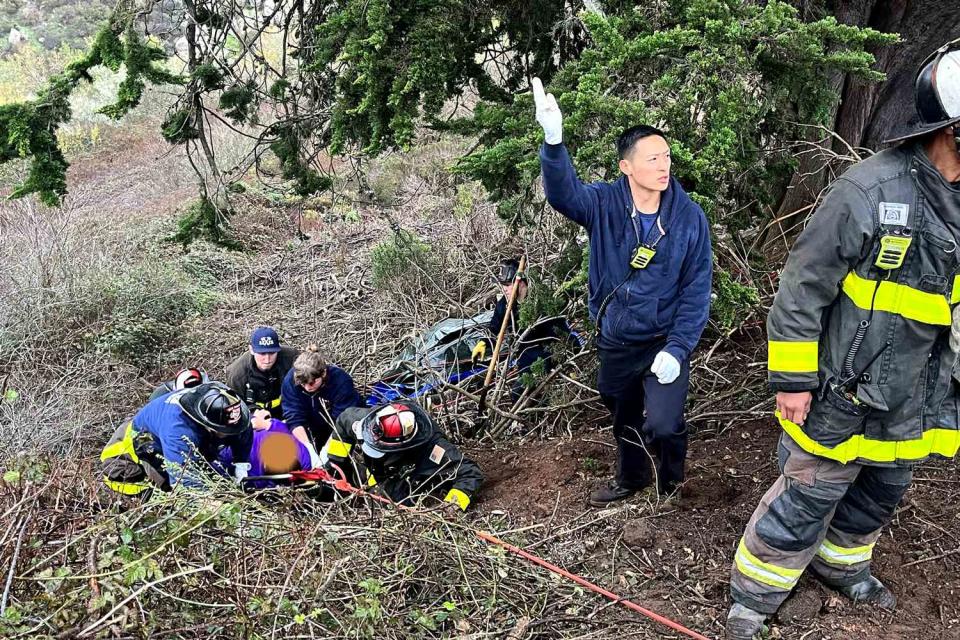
{"x":314,"y":393}
{"x":649,"y":284}
{"x":173,"y":437}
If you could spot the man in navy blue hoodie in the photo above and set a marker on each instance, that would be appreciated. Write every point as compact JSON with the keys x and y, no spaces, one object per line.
{"x":650,"y":271}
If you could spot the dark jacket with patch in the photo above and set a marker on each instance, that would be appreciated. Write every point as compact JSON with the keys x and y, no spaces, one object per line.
{"x":886,"y":394}
{"x":433,"y":465}
{"x":261,"y":388}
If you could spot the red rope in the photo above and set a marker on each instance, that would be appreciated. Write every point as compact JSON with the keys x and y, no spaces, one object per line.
{"x":342,"y":485}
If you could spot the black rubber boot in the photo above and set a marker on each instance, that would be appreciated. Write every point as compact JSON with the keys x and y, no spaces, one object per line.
{"x":870,"y":591}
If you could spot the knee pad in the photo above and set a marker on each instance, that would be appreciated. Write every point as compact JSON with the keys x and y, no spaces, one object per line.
{"x":796,"y":517}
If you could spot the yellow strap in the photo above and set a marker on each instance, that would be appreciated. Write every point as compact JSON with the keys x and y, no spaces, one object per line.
{"x":792,"y":357}
{"x":123,"y":446}
{"x":480,"y":351}
{"x":835,"y":554}
{"x":941,"y":442}
{"x":913,"y":304}
{"x":339,"y":448}
{"x":459,"y":498}
{"x":764,"y":572}
{"x":126,"y":488}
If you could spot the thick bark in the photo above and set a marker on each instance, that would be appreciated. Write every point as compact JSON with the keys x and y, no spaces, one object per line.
{"x":869,"y":113}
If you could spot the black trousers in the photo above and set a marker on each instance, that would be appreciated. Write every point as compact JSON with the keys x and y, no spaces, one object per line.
{"x":647,"y":416}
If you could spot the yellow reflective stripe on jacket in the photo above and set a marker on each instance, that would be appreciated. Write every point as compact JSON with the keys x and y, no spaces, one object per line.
{"x":913,"y":304}
{"x":835,"y":554}
{"x":126,"y":488}
{"x":459,"y":498}
{"x":371,"y":481}
{"x":339,"y":448}
{"x":122,"y":446}
{"x":792,"y":357}
{"x":955,"y":292}
{"x":273,"y":404}
{"x":942,"y":442}
{"x":764,"y":572}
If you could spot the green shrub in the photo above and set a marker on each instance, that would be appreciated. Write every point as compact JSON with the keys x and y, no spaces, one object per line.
{"x":397,"y":258}
{"x":733,"y":300}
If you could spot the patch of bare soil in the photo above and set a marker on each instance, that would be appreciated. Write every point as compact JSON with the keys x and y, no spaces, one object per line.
{"x":674,"y":555}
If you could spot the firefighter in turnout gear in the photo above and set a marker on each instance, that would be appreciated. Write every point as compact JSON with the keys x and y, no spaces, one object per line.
{"x":163,"y":444}
{"x":403,"y":455}
{"x":258,"y":375}
{"x":860,"y":359}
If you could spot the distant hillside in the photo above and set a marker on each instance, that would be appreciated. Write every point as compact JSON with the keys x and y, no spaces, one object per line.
{"x":51,"y":23}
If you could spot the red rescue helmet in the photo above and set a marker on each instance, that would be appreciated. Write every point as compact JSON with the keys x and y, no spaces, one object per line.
{"x":389,"y":429}
{"x":189,"y":378}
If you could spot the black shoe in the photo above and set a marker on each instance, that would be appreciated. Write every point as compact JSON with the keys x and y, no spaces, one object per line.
{"x":610,"y":493}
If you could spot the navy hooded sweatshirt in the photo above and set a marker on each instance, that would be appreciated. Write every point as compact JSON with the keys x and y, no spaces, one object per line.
{"x":311,"y":411}
{"x":670,"y":298}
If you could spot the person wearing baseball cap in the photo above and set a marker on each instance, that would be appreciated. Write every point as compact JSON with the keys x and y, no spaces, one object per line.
{"x":258,"y":375}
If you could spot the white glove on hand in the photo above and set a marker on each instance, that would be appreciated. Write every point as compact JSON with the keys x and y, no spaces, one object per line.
{"x":315,"y":461}
{"x":665,"y":367}
{"x":548,"y":113}
{"x":240,"y":471}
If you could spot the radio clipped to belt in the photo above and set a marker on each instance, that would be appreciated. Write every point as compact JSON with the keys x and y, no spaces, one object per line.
{"x":647,"y":248}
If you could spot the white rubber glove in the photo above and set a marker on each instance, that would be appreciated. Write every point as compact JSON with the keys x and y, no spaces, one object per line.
{"x":665,"y":367}
{"x":315,"y":461}
{"x":240,"y":471}
{"x":548,"y":113}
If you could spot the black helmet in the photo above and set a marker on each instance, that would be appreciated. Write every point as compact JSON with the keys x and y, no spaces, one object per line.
{"x":216,"y":407}
{"x":508,"y":271}
{"x":395,"y":427}
{"x":936,"y":92}
{"x":189,"y":378}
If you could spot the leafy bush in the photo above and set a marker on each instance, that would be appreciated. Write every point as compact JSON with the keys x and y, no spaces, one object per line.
{"x":398,"y":258}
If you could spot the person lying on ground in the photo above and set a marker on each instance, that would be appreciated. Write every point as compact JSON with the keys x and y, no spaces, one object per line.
{"x":172,"y":439}
{"x":258,"y":375}
{"x":274,"y":451}
{"x":314,"y":394}
{"x":397,"y":448}
{"x":185,"y":379}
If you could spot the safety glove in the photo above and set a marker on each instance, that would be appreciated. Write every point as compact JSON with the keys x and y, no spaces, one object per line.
{"x":665,"y":367}
{"x":548,"y":113}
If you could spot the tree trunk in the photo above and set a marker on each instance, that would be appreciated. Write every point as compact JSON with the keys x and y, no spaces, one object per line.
{"x":870,"y":113}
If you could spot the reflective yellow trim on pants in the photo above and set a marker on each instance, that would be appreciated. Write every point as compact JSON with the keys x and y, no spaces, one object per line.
{"x":764,"y":572}
{"x":124,"y":446}
{"x":792,"y":357}
{"x":273,"y":404}
{"x":459,"y":498}
{"x":126,"y":488}
{"x":942,"y":442}
{"x":835,"y":554}
{"x":910,"y":303}
{"x":339,"y":448}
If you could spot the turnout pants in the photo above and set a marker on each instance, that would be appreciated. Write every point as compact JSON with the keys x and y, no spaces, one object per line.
{"x":132,"y":465}
{"x":819,"y":513}
{"x":647,"y":416}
